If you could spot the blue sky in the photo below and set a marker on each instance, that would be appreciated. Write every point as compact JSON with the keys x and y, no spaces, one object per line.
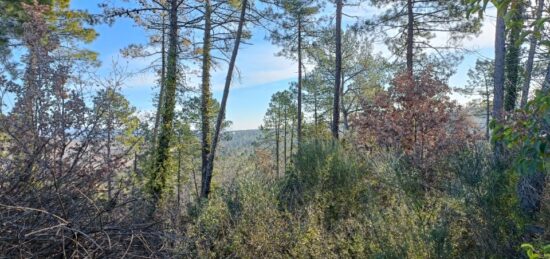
{"x":262,"y":73}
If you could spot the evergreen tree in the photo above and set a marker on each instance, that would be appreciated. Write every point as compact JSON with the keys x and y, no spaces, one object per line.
{"x":296,"y":23}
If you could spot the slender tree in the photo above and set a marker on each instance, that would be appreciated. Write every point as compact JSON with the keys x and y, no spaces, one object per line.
{"x":480,"y":83}
{"x":338,"y":71}
{"x":296,"y":22}
{"x":221,"y":114}
{"x":498,"y":77}
{"x":206,"y":96}
{"x":533,"y":42}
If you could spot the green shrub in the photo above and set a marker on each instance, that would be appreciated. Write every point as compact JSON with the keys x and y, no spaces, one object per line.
{"x":335,"y":202}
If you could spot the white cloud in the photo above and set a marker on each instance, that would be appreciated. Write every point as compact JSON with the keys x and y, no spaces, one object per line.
{"x":146,"y":79}
{"x":486,"y":38}
{"x":257,"y":65}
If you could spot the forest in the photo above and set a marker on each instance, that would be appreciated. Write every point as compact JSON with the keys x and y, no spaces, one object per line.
{"x":393,"y":138}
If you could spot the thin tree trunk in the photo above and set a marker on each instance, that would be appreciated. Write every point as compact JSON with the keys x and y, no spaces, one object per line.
{"x":410,"y":38}
{"x":221,"y":114}
{"x":498,"y":95}
{"x":178,"y":187}
{"x":159,"y":176}
{"x":299,"y":127}
{"x":531,"y":57}
{"x":162,"y":81}
{"x":109,"y":139}
{"x":206,"y":96}
{"x":336,"y":104}
{"x":277,"y":148}
{"x":546,"y":83}
{"x":513,"y":56}
{"x":285,"y":138}
{"x":488,"y":111}
{"x":315,"y":115}
{"x":291,"y":139}
{"x":343,"y":106}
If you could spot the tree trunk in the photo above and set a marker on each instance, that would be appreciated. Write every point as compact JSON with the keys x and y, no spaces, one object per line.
{"x":206,"y":96}
{"x":343,"y":106}
{"x":277,"y":149}
{"x":546,"y":83}
{"x":315,"y":104}
{"x":291,"y":139}
{"x":159,"y":175}
{"x":178,"y":180}
{"x":531,"y":57}
{"x":513,"y":57}
{"x":109,"y":140}
{"x":162,"y":81}
{"x":337,"y":77}
{"x":498,"y":95}
{"x":299,"y":127}
{"x":487,"y":111}
{"x":285,"y":138}
{"x":410,"y":38}
{"x":221,"y":114}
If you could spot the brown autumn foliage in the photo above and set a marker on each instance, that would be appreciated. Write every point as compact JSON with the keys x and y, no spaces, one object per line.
{"x":415,"y":117}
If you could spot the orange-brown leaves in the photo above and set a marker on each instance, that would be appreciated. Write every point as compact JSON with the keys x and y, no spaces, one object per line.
{"x":416,"y":117}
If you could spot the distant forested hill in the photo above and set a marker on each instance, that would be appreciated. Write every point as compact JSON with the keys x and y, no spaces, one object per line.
{"x":238,"y":142}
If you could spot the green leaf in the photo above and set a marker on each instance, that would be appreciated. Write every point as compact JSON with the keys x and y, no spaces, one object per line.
{"x":527,"y":246}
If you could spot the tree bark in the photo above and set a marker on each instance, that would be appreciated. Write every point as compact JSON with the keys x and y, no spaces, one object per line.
{"x":285,"y":138}
{"x":488,"y":111}
{"x":223,"y":105}
{"x":162,"y":81}
{"x":178,"y":187}
{"x":530,"y":58}
{"x":159,"y":176}
{"x":291,"y":139}
{"x":546,"y":83}
{"x":206,"y":96}
{"x":513,"y":56}
{"x":498,"y":91}
{"x":337,"y":74}
{"x":299,"y":126}
{"x":343,"y":106}
{"x":109,"y":140}
{"x":277,"y":140}
{"x":410,"y":38}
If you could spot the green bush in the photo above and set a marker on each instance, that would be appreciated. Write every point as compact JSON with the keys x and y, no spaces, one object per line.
{"x":335,"y":202}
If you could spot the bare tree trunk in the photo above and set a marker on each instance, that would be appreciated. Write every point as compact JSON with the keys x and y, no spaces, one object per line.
{"x":223,"y":105}
{"x":277,"y":140}
{"x":178,"y":187}
{"x":291,"y":139}
{"x":343,"y":106}
{"x":546,"y":83}
{"x":487,"y":112}
{"x":337,"y":74}
{"x":109,"y":140}
{"x":285,"y":138}
{"x":498,"y":96}
{"x":410,"y":38}
{"x":206,"y":96}
{"x":159,"y":175}
{"x":315,"y":115}
{"x":531,"y":57}
{"x":299,"y":127}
